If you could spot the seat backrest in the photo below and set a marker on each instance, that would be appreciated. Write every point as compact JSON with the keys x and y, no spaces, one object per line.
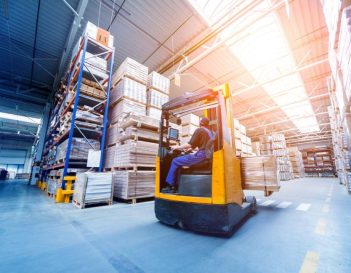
{"x":210,"y":144}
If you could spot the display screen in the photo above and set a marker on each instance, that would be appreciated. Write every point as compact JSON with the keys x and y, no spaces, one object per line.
{"x":173,"y":134}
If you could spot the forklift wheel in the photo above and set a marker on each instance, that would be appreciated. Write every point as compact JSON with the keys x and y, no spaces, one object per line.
{"x":253,"y":203}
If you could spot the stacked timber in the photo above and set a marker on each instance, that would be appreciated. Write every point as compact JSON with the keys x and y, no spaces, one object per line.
{"x":260,"y":173}
{"x":79,"y":149}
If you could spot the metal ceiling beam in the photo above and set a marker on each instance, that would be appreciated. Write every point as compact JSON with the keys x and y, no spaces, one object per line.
{"x":69,"y":42}
{"x":218,"y":44}
{"x":285,"y":120}
{"x":309,"y":140}
{"x":35,"y":41}
{"x":277,"y":107}
{"x":300,"y":69}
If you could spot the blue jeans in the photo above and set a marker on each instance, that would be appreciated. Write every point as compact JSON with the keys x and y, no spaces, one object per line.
{"x":185,"y":160}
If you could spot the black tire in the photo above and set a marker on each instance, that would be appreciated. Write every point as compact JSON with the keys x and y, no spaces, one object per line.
{"x":253,"y":203}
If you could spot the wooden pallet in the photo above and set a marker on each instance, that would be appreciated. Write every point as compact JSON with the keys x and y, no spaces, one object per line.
{"x":84,"y":205}
{"x":135,"y":167}
{"x":134,"y":200}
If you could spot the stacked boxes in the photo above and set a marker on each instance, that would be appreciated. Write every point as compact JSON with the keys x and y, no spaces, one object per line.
{"x":131,"y":184}
{"x":132,"y":137}
{"x":190,"y":123}
{"x":275,"y":145}
{"x":318,"y":161}
{"x":295,"y":158}
{"x":260,"y":173}
{"x":157,"y":94}
{"x":242,"y":141}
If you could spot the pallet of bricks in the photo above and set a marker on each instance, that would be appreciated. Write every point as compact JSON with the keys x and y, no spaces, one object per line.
{"x":275,"y":145}
{"x":242,"y":141}
{"x":295,"y":158}
{"x":133,"y":133}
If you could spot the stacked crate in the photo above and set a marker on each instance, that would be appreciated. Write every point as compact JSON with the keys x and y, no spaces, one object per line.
{"x":242,"y":141}
{"x":295,"y":158}
{"x":157,"y":94}
{"x":132,"y":137}
{"x":275,"y":145}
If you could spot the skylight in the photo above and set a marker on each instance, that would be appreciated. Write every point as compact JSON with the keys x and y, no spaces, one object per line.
{"x":263,"y":50}
{"x":20,"y":118}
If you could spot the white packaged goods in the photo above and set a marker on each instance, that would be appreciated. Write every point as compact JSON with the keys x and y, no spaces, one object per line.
{"x":260,"y":173}
{"x":133,"y":184}
{"x":128,"y":88}
{"x":237,"y":134}
{"x":98,"y":34}
{"x":248,"y":141}
{"x":185,"y":139}
{"x":159,"y":82}
{"x":191,"y":119}
{"x":154,"y":112}
{"x":112,"y":134}
{"x":79,"y":148}
{"x":236,"y":124}
{"x":109,"y":157}
{"x":90,"y":188}
{"x":53,"y":185}
{"x":156,"y":98}
{"x":280,"y":152}
{"x":242,"y":129}
{"x":265,"y":139}
{"x":124,"y":108}
{"x":238,"y":144}
{"x":188,"y":130}
{"x":135,"y":153}
{"x":131,"y":69}
{"x":256,"y":147}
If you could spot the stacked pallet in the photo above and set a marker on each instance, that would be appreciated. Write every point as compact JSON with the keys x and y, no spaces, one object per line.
{"x":132,"y":137}
{"x":157,"y":94}
{"x":79,"y":149}
{"x":295,"y":158}
{"x":256,"y":148}
{"x":260,"y":173}
{"x":243,"y":143}
{"x":133,"y":184}
{"x":92,"y":188}
{"x":275,"y":145}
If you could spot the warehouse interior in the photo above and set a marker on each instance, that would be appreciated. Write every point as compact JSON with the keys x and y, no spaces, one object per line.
{"x":93,"y":106}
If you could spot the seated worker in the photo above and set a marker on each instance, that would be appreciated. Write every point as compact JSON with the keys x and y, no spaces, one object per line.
{"x":199,"y":140}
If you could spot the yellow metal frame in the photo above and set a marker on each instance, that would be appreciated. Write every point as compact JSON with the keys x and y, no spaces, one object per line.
{"x":65,"y":195}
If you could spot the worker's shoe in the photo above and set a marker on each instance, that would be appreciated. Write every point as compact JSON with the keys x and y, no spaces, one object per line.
{"x":169,"y":189}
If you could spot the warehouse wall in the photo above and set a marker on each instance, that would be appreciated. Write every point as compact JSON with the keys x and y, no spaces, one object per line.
{"x":16,"y":155}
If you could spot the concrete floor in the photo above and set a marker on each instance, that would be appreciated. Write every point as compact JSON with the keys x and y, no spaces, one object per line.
{"x":307,"y":226}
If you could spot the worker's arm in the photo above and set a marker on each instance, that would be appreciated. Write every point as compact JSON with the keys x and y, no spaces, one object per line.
{"x":185,"y":146}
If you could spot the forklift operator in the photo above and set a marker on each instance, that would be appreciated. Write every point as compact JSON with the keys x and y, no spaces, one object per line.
{"x":199,"y":140}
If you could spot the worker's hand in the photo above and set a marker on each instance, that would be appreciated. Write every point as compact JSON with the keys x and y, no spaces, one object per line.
{"x":174,"y":148}
{"x":188,"y":150}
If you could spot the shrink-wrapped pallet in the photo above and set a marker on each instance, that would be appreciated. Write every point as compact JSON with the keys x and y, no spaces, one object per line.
{"x":132,"y":69}
{"x":153,"y":112}
{"x":159,"y":82}
{"x":92,"y":188}
{"x":124,"y":108}
{"x":191,"y":119}
{"x":133,"y":184}
{"x":79,"y":148}
{"x":156,"y":98}
{"x":260,"y":173}
{"x":135,"y":153}
{"x":128,"y":88}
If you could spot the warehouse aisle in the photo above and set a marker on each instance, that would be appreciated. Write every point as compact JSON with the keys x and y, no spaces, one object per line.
{"x":307,"y":224}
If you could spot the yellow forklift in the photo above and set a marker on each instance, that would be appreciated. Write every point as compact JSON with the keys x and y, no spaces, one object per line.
{"x":210,"y":198}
